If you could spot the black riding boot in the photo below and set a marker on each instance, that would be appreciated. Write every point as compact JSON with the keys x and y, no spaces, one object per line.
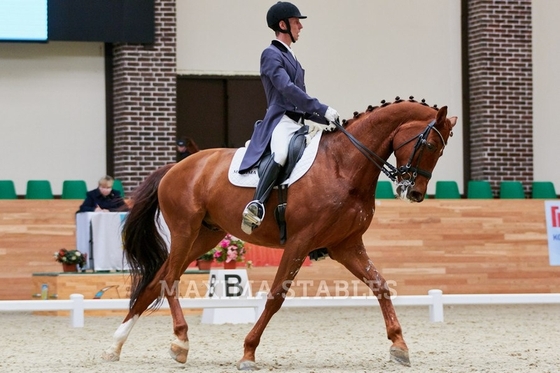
{"x":254,"y":211}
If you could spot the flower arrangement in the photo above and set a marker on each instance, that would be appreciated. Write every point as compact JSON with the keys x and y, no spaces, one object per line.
{"x":70,"y":257}
{"x":230,"y":249}
{"x":208,"y":256}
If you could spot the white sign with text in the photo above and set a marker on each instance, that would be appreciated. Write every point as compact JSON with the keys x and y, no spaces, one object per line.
{"x":228,"y":283}
{"x":552,"y":210}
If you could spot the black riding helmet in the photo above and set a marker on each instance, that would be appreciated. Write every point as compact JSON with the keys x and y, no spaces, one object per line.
{"x":282,"y":11}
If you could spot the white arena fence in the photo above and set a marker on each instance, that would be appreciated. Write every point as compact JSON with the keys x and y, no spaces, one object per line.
{"x":435,"y":300}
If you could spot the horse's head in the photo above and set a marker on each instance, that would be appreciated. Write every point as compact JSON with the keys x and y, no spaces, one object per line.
{"x":417,"y":148}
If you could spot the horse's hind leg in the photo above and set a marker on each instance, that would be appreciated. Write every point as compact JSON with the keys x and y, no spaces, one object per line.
{"x":179,"y":349}
{"x":179,"y":259}
{"x":113,"y":353}
{"x":356,"y":260}
{"x":164,"y":283}
{"x":142,"y":303}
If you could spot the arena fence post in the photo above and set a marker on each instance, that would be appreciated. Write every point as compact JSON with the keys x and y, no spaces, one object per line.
{"x":436,"y":307}
{"x":77,"y":311}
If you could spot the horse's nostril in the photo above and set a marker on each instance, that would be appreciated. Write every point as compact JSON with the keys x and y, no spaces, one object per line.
{"x":416,"y":196}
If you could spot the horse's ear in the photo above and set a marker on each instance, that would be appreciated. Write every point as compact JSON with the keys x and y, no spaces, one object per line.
{"x":441,"y":115}
{"x":453,"y":121}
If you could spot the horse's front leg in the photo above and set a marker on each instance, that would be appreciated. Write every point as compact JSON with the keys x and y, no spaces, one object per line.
{"x":287,"y":271}
{"x":356,"y":260}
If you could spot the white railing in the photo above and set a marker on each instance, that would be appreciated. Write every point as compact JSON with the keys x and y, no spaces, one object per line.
{"x":435,"y":300}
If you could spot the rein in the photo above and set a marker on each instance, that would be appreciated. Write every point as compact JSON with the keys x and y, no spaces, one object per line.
{"x":387,"y":168}
{"x":407,"y":172}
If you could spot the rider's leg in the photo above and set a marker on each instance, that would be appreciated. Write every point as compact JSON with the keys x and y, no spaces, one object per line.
{"x":254,"y":212}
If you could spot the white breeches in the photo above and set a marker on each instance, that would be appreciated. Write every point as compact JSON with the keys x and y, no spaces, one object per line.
{"x":281,"y":137}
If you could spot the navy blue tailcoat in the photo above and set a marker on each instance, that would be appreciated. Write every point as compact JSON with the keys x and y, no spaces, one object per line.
{"x":283,"y":79}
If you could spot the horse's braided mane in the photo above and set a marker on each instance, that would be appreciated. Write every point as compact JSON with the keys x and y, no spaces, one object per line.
{"x":370,"y":108}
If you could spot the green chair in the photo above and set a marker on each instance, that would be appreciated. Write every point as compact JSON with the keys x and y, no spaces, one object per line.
{"x":543,"y":189}
{"x":447,"y":190}
{"x":7,"y":189}
{"x":74,"y":189}
{"x":479,"y":189}
{"x":384,"y":190}
{"x":38,"y":189}
{"x":511,"y":190}
{"x":117,"y":185}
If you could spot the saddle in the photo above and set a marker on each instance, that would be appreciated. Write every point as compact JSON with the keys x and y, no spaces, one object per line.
{"x":296,"y":148}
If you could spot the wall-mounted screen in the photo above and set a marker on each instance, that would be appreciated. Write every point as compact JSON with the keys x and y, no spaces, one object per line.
{"x":109,"y":21}
{"x":23,"y":20}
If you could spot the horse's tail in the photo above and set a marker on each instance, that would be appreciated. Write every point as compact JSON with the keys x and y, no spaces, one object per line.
{"x":144,"y":246}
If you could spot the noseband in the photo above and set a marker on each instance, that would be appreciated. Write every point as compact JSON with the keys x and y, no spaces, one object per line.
{"x":408,"y":172}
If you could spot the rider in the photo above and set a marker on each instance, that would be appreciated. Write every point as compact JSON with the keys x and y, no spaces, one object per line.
{"x":288,"y":105}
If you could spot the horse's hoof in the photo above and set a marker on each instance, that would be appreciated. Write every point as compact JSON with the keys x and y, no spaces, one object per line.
{"x":179,"y":351}
{"x":398,"y":355}
{"x":110,"y":356}
{"x":247,"y":365}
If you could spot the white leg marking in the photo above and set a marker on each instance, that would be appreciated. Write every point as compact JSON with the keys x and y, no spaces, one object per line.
{"x":179,"y":350}
{"x":121,"y":334}
{"x":182,"y":344}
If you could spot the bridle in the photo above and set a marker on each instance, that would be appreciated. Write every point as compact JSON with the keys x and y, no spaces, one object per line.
{"x":408,"y":172}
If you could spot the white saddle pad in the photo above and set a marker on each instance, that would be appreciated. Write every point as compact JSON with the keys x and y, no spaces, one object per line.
{"x":251,"y":178}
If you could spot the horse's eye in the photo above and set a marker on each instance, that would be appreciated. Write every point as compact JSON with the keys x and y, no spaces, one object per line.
{"x":431,"y":147}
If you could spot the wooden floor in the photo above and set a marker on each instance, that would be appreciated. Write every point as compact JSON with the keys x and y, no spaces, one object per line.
{"x":459,"y":246}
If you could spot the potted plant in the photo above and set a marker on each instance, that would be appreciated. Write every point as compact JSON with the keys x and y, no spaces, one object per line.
{"x":229,"y":251}
{"x":204,"y":262}
{"x":70,"y":259}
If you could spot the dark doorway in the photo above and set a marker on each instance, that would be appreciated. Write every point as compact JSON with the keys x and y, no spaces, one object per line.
{"x":219,"y":112}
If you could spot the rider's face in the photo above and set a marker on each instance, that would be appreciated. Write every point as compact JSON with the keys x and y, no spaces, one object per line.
{"x":295,"y":27}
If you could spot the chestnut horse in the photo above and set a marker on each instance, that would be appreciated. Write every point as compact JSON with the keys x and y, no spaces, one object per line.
{"x":330,"y":207}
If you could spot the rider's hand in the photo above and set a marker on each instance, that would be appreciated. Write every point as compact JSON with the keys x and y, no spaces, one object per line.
{"x":332,"y":117}
{"x":314,"y":128}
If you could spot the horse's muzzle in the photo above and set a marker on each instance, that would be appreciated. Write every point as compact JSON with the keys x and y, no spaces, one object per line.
{"x":409,"y":193}
{"x":415,"y":196}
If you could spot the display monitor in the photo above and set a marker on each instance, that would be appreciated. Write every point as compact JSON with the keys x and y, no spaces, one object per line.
{"x":24,"y":20}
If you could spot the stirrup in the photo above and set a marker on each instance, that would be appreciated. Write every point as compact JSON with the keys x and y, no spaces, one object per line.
{"x":253,"y":215}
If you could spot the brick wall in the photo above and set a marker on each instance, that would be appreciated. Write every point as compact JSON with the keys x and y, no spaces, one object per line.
{"x":500,"y":102}
{"x":144,"y":80}
{"x":501,"y":90}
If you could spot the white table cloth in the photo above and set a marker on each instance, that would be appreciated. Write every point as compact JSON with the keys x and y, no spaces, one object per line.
{"x":99,"y":235}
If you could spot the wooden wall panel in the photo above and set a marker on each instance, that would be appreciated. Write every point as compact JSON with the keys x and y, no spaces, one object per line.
{"x":61,"y":286}
{"x":31,"y":231}
{"x":458,"y":246}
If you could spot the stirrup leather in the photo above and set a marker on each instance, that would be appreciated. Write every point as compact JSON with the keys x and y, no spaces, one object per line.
{"x":253,"y":215}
